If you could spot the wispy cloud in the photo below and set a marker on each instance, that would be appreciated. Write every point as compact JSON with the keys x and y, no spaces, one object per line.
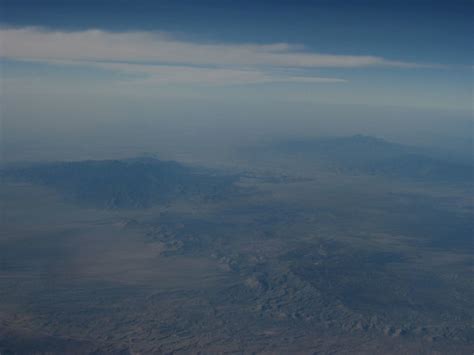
{"x":182,"y":74}
{"x":165,"y":59}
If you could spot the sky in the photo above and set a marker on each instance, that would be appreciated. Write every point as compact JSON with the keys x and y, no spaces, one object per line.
{"x":162,"y":59}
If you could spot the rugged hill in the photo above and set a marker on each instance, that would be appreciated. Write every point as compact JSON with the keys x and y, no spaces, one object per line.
{"x":133,"y":183}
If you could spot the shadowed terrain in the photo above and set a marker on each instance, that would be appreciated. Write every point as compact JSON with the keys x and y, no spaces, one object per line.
{"x":133,"y":183}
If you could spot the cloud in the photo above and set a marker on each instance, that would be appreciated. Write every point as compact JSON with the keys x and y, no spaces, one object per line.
{"x":178,"y":74}
{"x":164,"y":74}
{"x":165,"y":59}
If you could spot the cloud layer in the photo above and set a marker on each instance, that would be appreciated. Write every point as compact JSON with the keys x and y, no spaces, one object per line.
{"x":164,"y":59}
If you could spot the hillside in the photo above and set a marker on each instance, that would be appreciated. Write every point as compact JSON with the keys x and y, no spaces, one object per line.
{"x":133,"y":183}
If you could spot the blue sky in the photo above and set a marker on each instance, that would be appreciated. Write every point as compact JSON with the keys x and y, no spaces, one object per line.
{"x":398,"y":53}
{"x":426,"y":30}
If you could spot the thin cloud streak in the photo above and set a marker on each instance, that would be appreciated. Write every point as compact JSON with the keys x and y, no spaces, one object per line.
{"x":164,"y":59}
{"x":151,"y":74}
{"x":160,"y":47}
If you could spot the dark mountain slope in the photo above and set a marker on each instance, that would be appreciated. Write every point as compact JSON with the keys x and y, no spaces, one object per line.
{"x":364,"y":154}
{"x":134,"y":183}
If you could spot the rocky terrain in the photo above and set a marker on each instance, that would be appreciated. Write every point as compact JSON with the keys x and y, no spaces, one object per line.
{"x":321,"y":263}
{"x":132,"y":183}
